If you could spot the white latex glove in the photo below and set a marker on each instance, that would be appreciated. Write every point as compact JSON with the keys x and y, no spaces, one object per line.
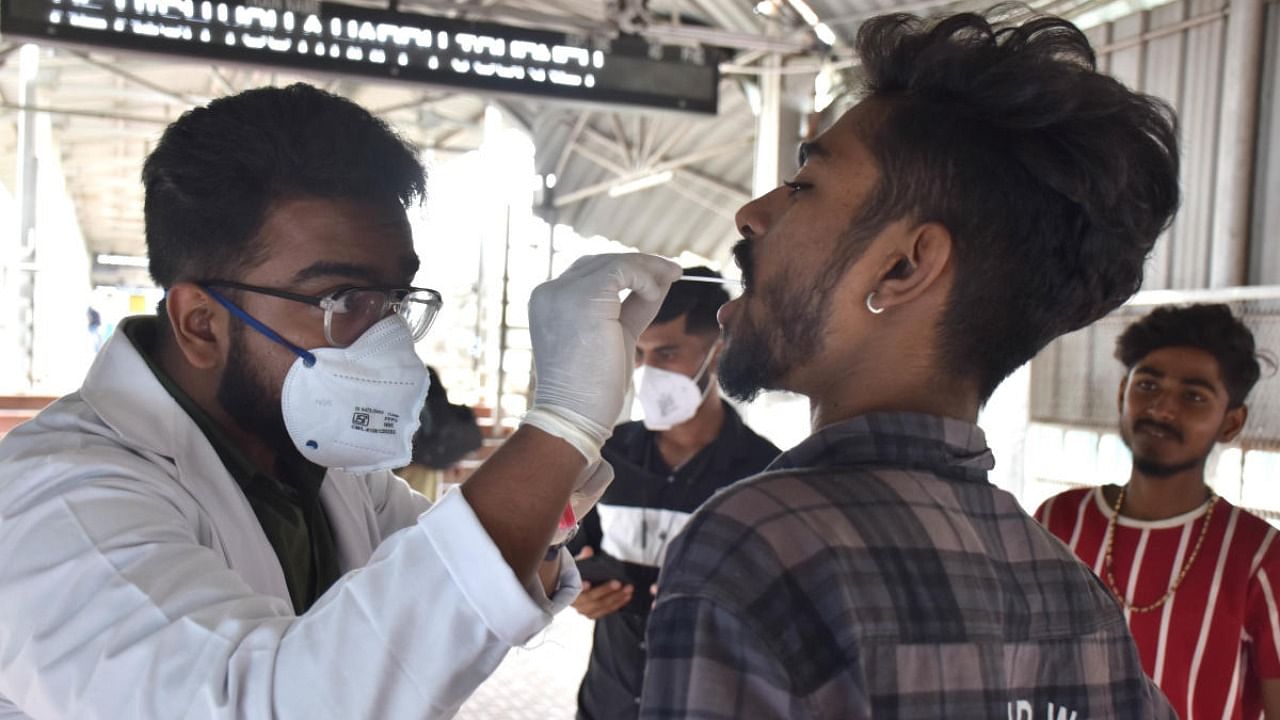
{"x":584,"y":341}
{"x":592,"y":483}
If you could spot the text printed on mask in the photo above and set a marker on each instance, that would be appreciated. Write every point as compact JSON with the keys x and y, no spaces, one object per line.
{"x":373,"y":420}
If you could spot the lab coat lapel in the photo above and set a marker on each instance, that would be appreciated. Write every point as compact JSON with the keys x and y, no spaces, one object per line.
{"x":355,"y":529}
{"x":129,"y":399}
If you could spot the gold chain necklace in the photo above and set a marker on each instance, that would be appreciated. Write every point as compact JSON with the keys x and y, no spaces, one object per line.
{"x":1111,"y":539}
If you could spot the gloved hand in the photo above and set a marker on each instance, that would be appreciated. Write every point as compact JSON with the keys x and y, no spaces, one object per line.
{"x":592,"y":483}
{"x":584,"y":341}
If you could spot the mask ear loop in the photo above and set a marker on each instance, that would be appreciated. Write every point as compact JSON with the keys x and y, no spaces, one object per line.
{"x":308,"y":359}
{"x":706,"y":364}
{"x":706,"y":361}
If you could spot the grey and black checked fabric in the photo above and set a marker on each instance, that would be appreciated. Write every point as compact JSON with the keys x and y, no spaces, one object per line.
{"x":873,"y":572}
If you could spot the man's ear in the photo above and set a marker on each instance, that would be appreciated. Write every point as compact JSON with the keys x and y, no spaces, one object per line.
{"x":1124,"y":385}
{"x":907,"y":275}
{"x":198,"y":325}
{"x":1233,"y":423}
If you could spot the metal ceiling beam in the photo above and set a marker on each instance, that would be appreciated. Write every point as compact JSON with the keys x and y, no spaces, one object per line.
{"x":620,"y":138}
{"x":601,"y":160}
{"x":462,"y":127}
{"x":223,"y":80}
{"x":735,"y":193}
{"x":94,"y":90}
{"x":731,"y":15}
{"x":644,"y":137}
{"x":670,"y":141}
{"x":122,"y":136}
{"x":426,"y":99}
{"x":590,"y":133}
{"x":140,"y":81}
{"x":690,"y":159}
{"x":901,"y":7}
{"x":749,"y":57}
{"x":685,"y":34}
{"x":810,"y":67}
{"x":96,"y":114}
{"x":699,"y":199}
{"x":569,"y":145}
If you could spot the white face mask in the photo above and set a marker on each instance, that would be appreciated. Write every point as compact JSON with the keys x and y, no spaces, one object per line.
{"x":670,"y":398}
{"x":356,"y":408}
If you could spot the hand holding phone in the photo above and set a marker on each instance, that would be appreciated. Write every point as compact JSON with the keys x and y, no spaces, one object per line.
{"x":604,"y":586}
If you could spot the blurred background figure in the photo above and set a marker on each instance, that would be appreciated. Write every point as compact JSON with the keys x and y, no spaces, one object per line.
{"x":97,"y":332}
{"x":448,"y":434}
{"x":1193,"y":571}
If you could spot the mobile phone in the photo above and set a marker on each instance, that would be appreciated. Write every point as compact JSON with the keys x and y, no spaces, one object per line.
{"x":599,"y":569}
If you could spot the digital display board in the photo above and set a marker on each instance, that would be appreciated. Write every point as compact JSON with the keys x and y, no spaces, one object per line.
{"x":332,"y":37}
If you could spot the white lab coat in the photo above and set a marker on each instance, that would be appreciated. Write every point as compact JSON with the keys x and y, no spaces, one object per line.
{"x":136,"y":581}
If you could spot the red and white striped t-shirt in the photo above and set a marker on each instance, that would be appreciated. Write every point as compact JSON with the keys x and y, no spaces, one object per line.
{"x":1211,"y":644}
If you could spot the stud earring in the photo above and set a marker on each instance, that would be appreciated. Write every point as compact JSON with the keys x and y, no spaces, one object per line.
{"x":871,"y":305}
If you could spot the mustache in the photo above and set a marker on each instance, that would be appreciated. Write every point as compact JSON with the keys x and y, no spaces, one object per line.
{"x":742,"y":257}
{"x":1153,"y":425}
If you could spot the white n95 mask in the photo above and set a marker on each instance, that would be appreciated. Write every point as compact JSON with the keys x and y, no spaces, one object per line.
{"x":670,"y":398}
{"x":356,"y":408}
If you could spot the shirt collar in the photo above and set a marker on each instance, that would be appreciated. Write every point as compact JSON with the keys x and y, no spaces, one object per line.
{"x":947,"y":447}
{"x":142,"y":333}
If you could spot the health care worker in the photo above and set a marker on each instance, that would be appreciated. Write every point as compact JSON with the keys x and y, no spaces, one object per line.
{"x":209,"y":528}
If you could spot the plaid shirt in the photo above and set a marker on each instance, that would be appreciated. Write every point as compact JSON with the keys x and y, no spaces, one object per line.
{"x":873,"y":572}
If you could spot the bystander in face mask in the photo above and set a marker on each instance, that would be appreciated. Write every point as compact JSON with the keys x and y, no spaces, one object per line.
{"x":670,"y":398}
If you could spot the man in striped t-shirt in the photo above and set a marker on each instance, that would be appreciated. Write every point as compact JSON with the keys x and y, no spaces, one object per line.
{"x":1197,"y":576}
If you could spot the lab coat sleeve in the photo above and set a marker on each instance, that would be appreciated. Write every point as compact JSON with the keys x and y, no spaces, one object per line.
{"x":397,"y":505}
{"x":111,"y":608}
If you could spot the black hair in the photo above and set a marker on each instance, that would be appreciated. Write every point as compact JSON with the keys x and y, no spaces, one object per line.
{"x":697,"y":301}
{"x":1212,"y":328}
{"x":1053,"y":179}
{"x":218,"y":169}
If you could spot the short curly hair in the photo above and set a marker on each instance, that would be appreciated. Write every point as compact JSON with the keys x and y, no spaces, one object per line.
{"x":218,"y":169}
{"x":1212,"y":328}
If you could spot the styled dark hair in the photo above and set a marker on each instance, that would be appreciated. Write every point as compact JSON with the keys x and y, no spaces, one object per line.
{"x":698,"y":301}
{"x":1053,"y":179}
{"x":218,"y":169}
{"x":1212,"y":328}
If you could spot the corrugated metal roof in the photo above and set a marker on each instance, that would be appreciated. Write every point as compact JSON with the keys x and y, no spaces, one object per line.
{"x":710,"y":159}
{"x":113,"y":107}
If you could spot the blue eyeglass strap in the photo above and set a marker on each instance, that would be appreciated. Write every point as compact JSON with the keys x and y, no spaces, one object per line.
{"x":308,"y":358}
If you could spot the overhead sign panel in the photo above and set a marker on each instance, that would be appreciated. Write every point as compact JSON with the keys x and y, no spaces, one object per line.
{"x":333,"y":37}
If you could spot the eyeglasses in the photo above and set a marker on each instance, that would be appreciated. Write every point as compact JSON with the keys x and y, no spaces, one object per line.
{"x":349,"y":312}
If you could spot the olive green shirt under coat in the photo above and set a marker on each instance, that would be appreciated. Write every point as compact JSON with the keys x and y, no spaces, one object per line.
{"x":286,"y":502}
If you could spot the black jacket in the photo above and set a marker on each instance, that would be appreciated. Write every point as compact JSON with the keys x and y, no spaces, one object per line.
{"x":637,"y":517}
